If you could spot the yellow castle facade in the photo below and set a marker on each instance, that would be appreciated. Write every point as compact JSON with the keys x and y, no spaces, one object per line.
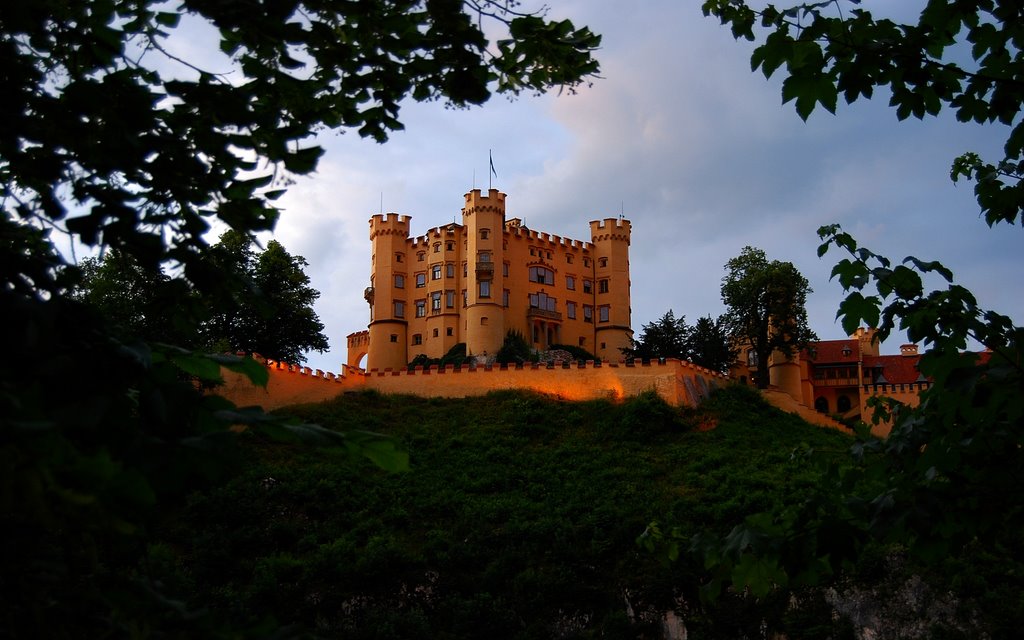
{"x":474,"y":282}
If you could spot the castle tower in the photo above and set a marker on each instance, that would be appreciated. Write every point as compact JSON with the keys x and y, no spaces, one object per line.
{"x":611,"y":293}
{"x":484,"y":221}
{"x":784,"y":373}
{"x":389,"y":304}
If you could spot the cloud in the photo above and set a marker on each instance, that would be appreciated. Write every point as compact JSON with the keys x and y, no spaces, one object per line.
{"x":684,"y":140}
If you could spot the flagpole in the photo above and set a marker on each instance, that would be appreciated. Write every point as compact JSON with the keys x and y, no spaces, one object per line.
{"x":490,"y":161}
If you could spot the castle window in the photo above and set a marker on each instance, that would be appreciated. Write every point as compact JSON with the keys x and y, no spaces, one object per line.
{"x":751,"y":358}
{"x":484,"y":257}
{"x":435,"y":272}
{"x":602,"y":262}
{"x":449,"y":332}
{"x":483,"y":321}
{"x":394,"y":337}
{"x":586,"y":262}
{"x":449,"y":299}
{"x":843,"y":404}
{"x":399,"y":309}
{"x":603,"y":312}
{"x":588,"y":313}
{"x":570,"y":310}
{"x":549,"y":255}
{"x":542,"y":301}
{"x":420,"y":257}
{"x":417,"y":338}
{"x":602,"y":286}
{"x":533,"y":251}
{"x":588,"y":286}
{"x":504,"y":269}
{"x":583,"y":342}
{"x":484,"y":289}
{"x":437,"y":247}
{"x":435,"y":333}
{"x":505,"y":297}
{"x":542,"y":275}
{"x":485,"y":233}
{"x":399,"y":257}
{"x":449,"y":270}
{"x":465,"y":298}
{"x":399,"y":281}
{"x":570,"y":283}
{"x":449,"y":246}
{"x":421,"y":279}
{"x":568,"y":258}
{"x":435,"y":302}
{"x":421,"y":308}
{"x":463,"y":269}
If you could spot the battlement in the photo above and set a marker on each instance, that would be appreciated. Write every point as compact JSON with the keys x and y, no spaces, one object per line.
{"x":389,"y":224}
{"x":611,"y":229}
{"x":493,"y":202}
{"x":540,"y":237}
{"x":678,"y":382}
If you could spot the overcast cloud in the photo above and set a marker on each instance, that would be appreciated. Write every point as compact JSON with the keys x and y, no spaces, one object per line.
{"x":697,"y":151}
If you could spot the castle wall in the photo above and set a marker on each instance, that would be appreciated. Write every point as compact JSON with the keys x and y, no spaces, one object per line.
{"x":909,"y":394}
{"x":288,"y":384}
{"x":679,"y":383}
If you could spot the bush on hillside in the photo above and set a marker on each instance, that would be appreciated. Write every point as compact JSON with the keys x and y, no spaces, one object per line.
{"x":515,"y":350}
{"x":577,"y":353}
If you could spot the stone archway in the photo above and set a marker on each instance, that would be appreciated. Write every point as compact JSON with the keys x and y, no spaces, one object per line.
{"x":821,"y":404}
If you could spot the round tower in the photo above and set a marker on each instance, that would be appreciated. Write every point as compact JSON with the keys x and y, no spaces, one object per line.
{"x":612,"y":313}
{"x":484,"y":221}
{"x":389,"y":282}
{"x":784,"y":373}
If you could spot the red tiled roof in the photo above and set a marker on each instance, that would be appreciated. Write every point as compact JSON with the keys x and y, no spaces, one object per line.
{"x":895,"y":369}
{"x":830,"y":351}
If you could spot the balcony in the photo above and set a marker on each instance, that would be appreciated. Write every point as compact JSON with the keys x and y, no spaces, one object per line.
{"x":837,"y":382}
{"x":485,"y":270}
{"x":536,"y":312}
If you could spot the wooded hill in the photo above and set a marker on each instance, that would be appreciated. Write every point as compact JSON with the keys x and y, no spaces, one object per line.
{"x":519,"y":518}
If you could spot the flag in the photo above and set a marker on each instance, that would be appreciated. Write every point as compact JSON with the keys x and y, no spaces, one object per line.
{"x":491,"y":159}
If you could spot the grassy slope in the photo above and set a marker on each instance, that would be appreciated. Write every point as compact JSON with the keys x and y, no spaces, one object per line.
{"x":518,"y":518}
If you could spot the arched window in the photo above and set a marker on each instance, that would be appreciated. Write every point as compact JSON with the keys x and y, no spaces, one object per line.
{"x":843,"y":404}
{"x":821,"y":405}
{"x":542,"y":275}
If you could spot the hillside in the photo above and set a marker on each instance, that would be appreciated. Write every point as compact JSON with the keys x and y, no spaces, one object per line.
{"x":518,"y":519}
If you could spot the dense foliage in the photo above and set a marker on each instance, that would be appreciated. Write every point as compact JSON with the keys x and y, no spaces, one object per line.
{"x":514,"y":349}
{"x":947,"y":473}
{"x":269,"y":311}
{"x":765,"y":307}
{"x":114,"y":140}
{"x":517,"y":519}
{"x":705,"y":343}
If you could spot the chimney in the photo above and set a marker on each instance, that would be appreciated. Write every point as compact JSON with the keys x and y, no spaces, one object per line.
{"x":908,"y":349}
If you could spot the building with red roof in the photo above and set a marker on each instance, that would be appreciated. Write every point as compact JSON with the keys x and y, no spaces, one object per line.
{"x":837,"y":377}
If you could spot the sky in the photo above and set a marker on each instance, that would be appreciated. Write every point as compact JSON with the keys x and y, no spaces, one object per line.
{"x":686,"y":142}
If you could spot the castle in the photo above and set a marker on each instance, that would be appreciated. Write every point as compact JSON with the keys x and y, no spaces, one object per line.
{"x":838,"y":377}
{"x":474,"y":282}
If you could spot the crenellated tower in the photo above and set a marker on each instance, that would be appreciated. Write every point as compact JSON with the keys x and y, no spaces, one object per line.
{"x":611,"y":296}
{"x":387,"y":293}
{"x":483,"y":218}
